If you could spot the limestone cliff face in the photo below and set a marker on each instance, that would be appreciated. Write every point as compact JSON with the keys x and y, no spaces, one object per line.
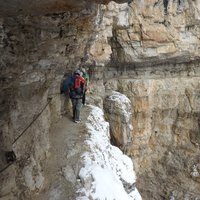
{"x":147,"y":50}
{"x":152,"y":32}
{"x":35,"y":54}
{"x":154,"y":61}
{"x":165,"y":134}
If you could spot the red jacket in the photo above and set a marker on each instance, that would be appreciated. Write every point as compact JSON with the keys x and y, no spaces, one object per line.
{"x":79,"y":81}
{"x":78,"y":89}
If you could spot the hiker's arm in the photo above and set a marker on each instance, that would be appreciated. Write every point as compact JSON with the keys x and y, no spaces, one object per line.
{"x":82,"y":80}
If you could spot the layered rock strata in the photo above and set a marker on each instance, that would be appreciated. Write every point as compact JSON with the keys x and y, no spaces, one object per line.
{"x":165,"y":132}
{"x":143,"y":32}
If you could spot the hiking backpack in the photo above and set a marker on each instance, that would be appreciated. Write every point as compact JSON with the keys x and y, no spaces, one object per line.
{"x":77,"y":90}
{"x":66,"y":85}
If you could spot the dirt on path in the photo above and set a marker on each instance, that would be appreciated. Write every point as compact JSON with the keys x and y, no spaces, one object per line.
{"x":62,"y":166}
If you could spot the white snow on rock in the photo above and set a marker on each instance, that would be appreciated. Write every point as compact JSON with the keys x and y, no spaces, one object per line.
{"x":122,"y":103}
{"x":107,"y":171}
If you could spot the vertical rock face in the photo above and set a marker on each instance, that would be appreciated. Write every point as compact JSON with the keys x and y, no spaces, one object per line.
{"x":151,"y":30}
{"x":165,"y":133}
{"x":155,"y":62}
{"x":36,"y":51}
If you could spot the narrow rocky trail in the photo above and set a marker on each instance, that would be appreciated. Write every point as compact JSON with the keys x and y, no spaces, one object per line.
{"x":61,"y":167}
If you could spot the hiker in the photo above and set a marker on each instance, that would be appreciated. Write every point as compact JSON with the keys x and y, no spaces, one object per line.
{"x":86,"y":77}
{"x":76,"y":94}
{"x":73,"y":87}
{"x":82,"y":65}
{"x":66,"y":83}
{"x":76,"y":91}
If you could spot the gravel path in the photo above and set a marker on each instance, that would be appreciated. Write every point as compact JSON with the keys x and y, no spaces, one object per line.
{"x":62,"y":166}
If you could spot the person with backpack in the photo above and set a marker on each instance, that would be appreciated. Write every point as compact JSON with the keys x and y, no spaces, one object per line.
{"x":76,"y":91}
{"x":74,"y":88}
{"x":86,"y":77}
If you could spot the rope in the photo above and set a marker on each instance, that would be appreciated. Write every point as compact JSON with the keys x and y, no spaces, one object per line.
{"x":24,"y":131}
{"x":9,"y":164}
{"x":5,"y":167}
{"x":36,"y":117}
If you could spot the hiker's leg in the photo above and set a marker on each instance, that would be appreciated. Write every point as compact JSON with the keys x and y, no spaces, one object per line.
{"x":83,"y":100}
{"x":74,"y":108}
{"x":78,"y":109}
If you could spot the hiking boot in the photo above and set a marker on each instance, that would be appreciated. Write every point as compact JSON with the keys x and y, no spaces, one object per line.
{"x":77,"y":121}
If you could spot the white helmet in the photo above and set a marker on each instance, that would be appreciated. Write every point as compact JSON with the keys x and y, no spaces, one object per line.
{"x":78,"y":72}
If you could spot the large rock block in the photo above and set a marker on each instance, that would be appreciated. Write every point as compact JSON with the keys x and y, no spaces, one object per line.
{"x":118,"y":111}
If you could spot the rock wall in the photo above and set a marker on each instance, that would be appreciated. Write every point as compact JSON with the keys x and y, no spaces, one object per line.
{"x":155,"y":62}
{"x":152,"y":32}
{"x":36,"y":51}
{"x":165,"y":132}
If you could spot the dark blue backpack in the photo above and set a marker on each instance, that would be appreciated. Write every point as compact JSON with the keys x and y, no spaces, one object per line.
{"x":66,"y":85}
{"x":71,"y":86}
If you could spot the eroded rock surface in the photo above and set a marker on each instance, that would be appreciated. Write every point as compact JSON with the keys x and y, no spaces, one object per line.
{"x":119,"y":115}
{"x":165,"y":133}
{"x":145,"y":33}
{"x":34,"y":58}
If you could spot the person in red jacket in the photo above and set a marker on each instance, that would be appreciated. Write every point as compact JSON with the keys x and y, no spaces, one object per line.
{"x":76,"y":94}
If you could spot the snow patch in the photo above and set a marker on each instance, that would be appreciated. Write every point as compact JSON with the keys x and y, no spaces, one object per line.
{"x":107,"y":172}
{"x":123,"y":103}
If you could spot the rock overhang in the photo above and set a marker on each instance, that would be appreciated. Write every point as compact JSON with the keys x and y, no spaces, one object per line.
{"x":36,"y":7}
